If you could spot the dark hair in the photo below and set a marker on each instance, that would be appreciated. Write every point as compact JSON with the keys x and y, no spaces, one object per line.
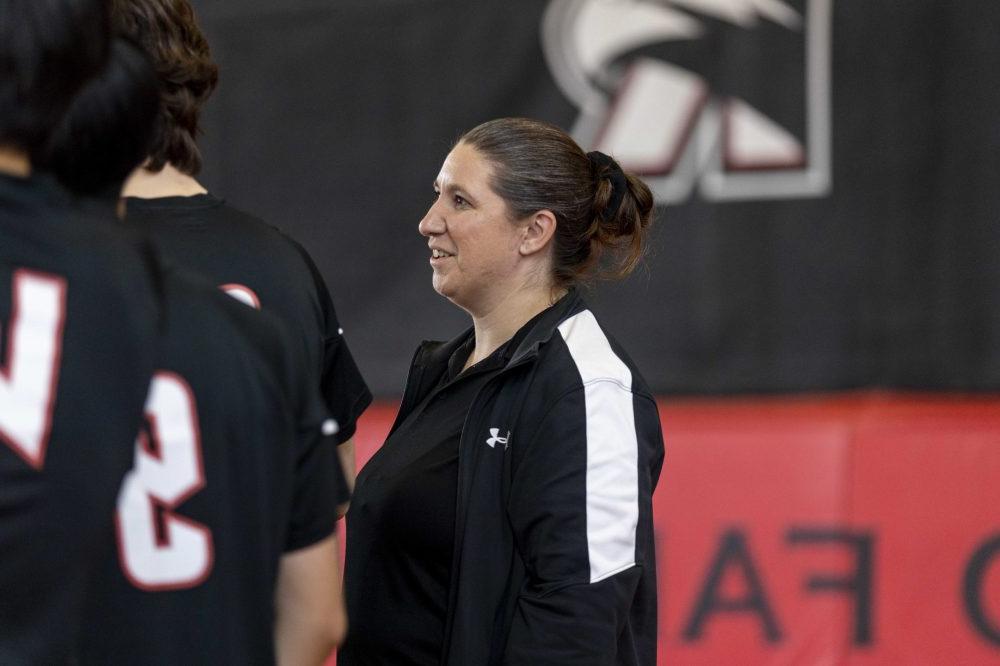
{"x":537,"y":166}
{"x":48,"y":50}
{"x":106,"y":132}
{"x":168,"y":31}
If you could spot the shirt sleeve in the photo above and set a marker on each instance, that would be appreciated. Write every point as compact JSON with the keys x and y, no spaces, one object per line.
{"x":345,"y":391}
{"x":319,"y":482}
{"x":343,"y":388}
{"x":581,"y":488}
{"x":319,"y":488}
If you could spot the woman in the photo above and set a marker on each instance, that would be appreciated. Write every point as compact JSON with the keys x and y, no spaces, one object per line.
{"x":507,"y":519}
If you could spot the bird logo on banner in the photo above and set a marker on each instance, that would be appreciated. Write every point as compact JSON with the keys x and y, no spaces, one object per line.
{"x":682,"y":91}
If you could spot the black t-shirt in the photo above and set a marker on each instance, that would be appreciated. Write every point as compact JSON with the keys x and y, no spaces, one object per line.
{"x":257,"y":263}
{"x":401,"y":526}
{"x":79,"y":328}
{"x":231,"y":471}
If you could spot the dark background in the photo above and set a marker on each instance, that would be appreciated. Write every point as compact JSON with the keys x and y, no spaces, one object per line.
{"x":332,"y":118}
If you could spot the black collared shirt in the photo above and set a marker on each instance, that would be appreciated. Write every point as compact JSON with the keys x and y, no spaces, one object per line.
{"x":401,"y":526}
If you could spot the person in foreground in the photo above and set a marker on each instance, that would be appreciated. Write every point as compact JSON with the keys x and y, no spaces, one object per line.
{"x":507,"y":519}
{"x":79,"y":315}
{"x":225,"y":526}
{"x":244,"y":256}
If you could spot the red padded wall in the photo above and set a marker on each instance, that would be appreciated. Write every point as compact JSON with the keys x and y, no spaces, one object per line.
{"x":854,"y":529}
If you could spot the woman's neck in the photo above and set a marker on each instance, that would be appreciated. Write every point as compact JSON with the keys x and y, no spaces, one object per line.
{"x":167,"y":182}
{"x":501,"y":322}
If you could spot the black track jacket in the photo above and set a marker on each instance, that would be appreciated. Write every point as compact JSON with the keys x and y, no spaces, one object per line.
{"x":560,"y":453}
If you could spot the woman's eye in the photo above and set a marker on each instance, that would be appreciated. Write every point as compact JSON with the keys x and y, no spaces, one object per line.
{"x":459,"y":201}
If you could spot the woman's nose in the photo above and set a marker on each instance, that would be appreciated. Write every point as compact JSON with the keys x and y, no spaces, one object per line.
{"x":432,"y":223}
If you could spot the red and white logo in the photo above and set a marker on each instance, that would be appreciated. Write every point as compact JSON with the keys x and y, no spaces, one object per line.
{"x":659,"y":86}
{"x":242,"y":293}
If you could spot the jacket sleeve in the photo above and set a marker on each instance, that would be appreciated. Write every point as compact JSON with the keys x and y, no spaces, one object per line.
{"x":580,"y":505}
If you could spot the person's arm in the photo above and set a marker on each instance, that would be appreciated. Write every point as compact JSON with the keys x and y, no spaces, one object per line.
{"x":347,"y":462}
{"x":310,"y":619}
{"x":580,"y":507}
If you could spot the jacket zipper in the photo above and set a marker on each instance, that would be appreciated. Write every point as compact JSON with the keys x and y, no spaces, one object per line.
{"x":463,"y":445}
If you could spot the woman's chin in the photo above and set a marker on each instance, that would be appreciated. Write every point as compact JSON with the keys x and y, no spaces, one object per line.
{"x":438,"y":286}
{"x":453,"y":295}
{"x":443,"y":286}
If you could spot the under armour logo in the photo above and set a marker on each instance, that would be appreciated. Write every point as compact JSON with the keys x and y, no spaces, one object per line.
{"x":495,"y":438}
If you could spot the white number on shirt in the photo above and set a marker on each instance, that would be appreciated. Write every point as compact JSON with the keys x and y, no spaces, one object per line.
{"x":158,"y":549}
{"x":29,"y":376}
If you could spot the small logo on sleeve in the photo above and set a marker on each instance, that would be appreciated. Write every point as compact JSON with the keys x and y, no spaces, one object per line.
{"x":495,"y":438}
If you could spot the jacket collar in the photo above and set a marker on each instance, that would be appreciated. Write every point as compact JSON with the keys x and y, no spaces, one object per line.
{"x":545,"y":326}
{"x":433,"y":354}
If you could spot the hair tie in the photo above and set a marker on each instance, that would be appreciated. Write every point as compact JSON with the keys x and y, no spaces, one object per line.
{"x":619,"y":183}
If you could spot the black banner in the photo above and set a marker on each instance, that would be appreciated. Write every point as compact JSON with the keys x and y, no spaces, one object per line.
{"x":829,"y":170}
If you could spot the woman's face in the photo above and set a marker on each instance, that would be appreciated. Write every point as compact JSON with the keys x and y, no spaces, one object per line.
{"x":474,"y":244}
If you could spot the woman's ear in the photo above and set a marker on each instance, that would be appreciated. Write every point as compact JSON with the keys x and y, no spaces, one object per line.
{"x":538,"y":232}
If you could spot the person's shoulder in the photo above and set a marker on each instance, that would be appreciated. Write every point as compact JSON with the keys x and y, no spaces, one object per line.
{"x":100,"y":258}
{"x":237,"y":215}
{"x":224,"y":320}
{"x":203,"y":209}
{"x":250,"y":222}
{"x":276,"y":238}
{"x":292,"y":253}
{"x":48,"y":219}
{"x":585,"y":353}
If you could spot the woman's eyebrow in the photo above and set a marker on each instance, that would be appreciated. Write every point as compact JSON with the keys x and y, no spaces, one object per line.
{"x":453,"y":187}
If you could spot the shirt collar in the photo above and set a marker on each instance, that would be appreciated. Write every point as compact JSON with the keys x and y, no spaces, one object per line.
{"x":523,"y":344}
